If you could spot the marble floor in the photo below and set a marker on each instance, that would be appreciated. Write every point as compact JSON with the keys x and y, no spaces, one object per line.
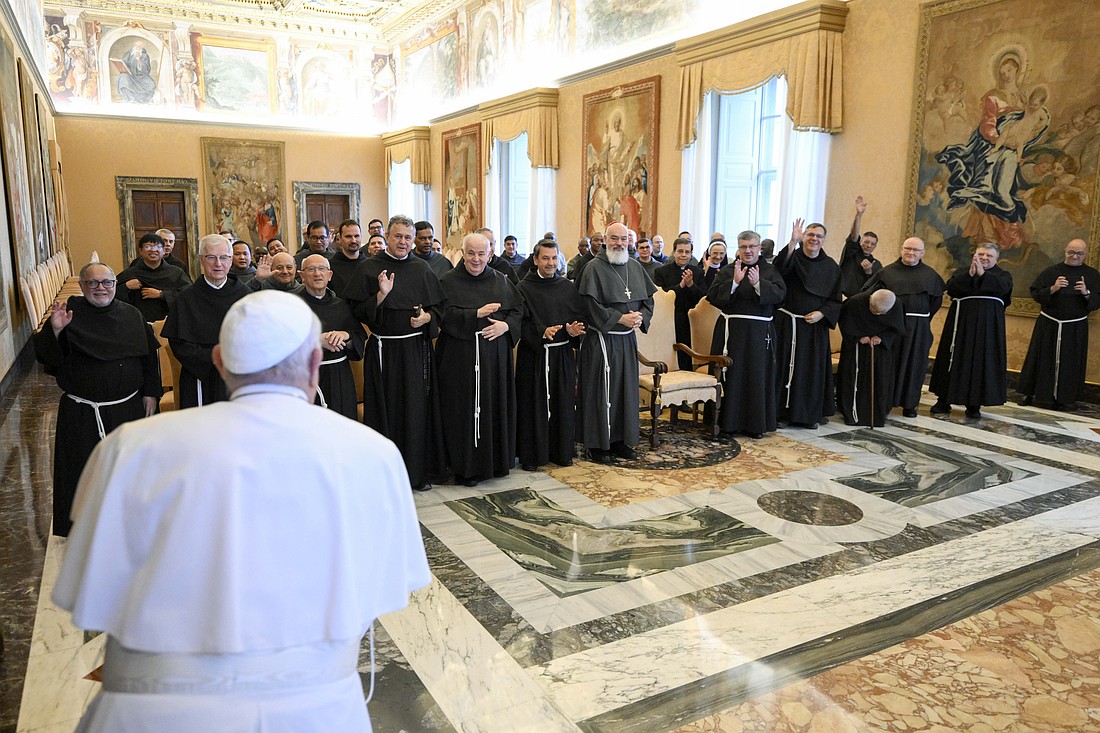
{"x":937,"y":574}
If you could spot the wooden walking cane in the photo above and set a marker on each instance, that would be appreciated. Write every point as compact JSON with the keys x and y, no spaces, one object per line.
{"x":871,"y":343}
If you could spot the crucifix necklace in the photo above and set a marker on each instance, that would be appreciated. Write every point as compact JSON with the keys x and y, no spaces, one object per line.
{"x":626,"y":288}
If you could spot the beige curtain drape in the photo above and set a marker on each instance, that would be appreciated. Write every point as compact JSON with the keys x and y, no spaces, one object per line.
{"x":802,"y":43}
{"x":534,"y":112}
{"x":412,"y":144}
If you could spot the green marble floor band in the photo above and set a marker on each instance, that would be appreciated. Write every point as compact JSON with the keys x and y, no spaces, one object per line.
{"x":570,"y":556}
{"x":530,"y":647}
{"x":673,"y":708}
{"x":925,"y":473}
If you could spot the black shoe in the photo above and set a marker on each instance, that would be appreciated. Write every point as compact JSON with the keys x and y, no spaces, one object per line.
{"x":622,"y":450}
{"x":756,"y":436}
{"x":974,"y":413}
{"x":465,"y":481}
{"x":909,"y":412}
{"x":1026,"y":400}
{"x":529,"y":467}
{"x":940,"y":408}
{"x":1064,"y":407}
{"x":564,"y":464}
{"x":602,"y":457}
{"x":423,"y":487}
{"x":806,"y":425}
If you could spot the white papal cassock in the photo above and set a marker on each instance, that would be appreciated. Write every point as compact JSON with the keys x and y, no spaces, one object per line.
{"x":234,"y":583}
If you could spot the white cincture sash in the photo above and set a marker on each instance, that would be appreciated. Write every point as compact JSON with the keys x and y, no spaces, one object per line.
{"x":955,"y":325}
{"x":1058,"y":346}
{"x":136,"y":672}
{"x":96,"y":405}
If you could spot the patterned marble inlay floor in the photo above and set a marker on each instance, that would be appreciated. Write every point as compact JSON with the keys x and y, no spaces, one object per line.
{"x":1030,"y":664}
{"x":645,"y":599}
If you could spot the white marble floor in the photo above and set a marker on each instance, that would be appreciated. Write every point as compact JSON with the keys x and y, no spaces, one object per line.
{"x":921,"y":523}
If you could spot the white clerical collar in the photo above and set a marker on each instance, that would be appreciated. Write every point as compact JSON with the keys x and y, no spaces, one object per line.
{"x":216,"y":287}
{"x":396,"y":259}
{"x":284,"y":389}
{"x":545,"y":278}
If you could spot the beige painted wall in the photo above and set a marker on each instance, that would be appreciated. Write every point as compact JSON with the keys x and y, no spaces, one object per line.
{"x":95,"y":150}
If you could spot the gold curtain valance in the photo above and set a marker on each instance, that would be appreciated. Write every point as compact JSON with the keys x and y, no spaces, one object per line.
{"x":534,"y":112}
{"x":412,"y":144}
{"x":802,"y":43}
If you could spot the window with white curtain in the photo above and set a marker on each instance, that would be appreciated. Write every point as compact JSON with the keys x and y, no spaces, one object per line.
{"x":406,"y":197}
{"x":513,"y":168}
{"x":749,"y":169}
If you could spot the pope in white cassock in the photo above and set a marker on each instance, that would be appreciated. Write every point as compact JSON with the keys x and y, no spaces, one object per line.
{"x":235,"y":589}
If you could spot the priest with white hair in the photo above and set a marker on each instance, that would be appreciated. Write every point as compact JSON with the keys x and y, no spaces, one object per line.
{"x":234,"y":590}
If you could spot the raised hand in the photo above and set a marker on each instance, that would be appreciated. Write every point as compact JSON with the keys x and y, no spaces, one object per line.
{"x":385,"y":284}
{"x":796,"y":230}
{"x":263,"y":267}
{"x":60,"y":316}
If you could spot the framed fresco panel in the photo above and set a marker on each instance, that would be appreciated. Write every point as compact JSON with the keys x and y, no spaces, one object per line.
{"x":237,"y":75}
{"x":619,"y":138}
{"x":244,"y":187}
{"x":462,"y":184}
{"x":1006,"y":134}
{"x":47,"y":176}
{"x":34,"y":165}
{"x":16,"y":185}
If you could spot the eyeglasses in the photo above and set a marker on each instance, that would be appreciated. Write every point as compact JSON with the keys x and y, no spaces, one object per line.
{"x":152,"y":245}
{"x":1072,"y":253}
{"x":217,"y":258}
{"x":316,"y":268}
{"x":93,"y":284}
{"x":317,"y":237}
{"x":748,"y":246}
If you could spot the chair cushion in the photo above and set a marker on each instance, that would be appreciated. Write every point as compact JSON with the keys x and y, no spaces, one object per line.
{"x":681,"y":387}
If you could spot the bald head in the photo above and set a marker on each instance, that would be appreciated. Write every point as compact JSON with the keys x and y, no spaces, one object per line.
{"x":882,"y":301}
{"x":1076,"y":250}
{"x":912,"y":251}
{"x":316,"y":274}
{"x":617,"y":240}
{"x":284,"y":268}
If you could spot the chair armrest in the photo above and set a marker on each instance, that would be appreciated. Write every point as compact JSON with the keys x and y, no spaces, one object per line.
{"x":658,"y":367}
{"x":723,"y":361}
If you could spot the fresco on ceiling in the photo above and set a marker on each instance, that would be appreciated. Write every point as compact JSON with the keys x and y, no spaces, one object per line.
{"x":455,"y":60}
{"x":607,"y":21}
{"x":96,"y":65}
{"x":430,"y":60}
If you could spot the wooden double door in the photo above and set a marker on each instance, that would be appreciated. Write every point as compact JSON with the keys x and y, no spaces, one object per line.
{"x":155,"y":210}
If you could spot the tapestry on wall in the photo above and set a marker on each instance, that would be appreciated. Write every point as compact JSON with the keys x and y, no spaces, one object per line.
{"x":619,"y":178}
{"x":462,"y":194}
{"x":34,"y":165}
{"x":1006,"y":140}
{"x":16,"y":185}
{"x":244,"y":188}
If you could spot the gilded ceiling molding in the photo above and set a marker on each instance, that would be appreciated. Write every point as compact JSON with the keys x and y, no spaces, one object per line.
{"x":414,"y":145}
{"x":801,"y":42}
{"x":535,"y":112}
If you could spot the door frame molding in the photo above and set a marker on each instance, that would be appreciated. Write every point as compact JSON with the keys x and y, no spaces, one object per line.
{"x":301,"y":188}
{"x":124,"y":191}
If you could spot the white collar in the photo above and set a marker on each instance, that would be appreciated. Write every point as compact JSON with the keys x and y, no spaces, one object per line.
{"x":284,"y":389}
{"x":216,"y":287}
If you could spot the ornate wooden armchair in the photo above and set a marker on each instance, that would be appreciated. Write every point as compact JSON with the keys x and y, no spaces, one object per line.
{"x":662,"y":383}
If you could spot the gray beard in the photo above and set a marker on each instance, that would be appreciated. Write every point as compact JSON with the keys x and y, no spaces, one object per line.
{"x":617,"y":257}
